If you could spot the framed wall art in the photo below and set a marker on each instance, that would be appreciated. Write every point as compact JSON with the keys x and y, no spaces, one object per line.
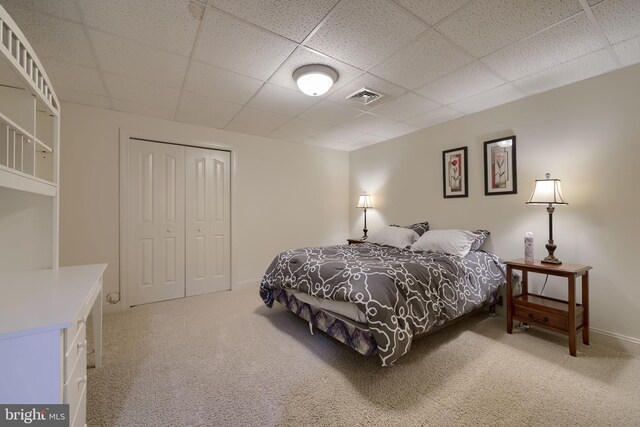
{"x":500,"y":176}
{"x":454,"y":173}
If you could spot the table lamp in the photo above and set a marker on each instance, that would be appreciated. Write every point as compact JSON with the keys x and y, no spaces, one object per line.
{"x":548,"y":192}
{"x":364,"y":202}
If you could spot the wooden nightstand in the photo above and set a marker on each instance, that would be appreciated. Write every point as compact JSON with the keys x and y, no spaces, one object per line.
{"x":355,"y":241}
{"x":565,"y":317}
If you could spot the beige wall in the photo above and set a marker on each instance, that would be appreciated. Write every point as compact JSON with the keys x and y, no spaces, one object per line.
{"x":586,"y":134}
{"x":284,"y":194}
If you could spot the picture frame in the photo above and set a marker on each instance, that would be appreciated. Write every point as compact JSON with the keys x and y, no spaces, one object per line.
{"x":500,"y":172}
{"x":455,"y":177}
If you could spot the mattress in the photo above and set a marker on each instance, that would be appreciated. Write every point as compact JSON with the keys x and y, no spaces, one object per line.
{"x":343,"y":308}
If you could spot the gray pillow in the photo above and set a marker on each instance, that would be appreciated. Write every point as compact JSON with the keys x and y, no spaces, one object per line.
{"x":481,"y":236}
{"x":420,"y":227}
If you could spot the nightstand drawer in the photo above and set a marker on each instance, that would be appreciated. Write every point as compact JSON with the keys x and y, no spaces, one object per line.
{"x":541,"y":318}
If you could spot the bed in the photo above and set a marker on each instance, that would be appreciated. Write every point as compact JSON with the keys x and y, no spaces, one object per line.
{"x":377,"y":298}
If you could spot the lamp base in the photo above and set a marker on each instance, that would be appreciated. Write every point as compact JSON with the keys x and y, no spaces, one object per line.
{"x":550,"y":259}
{"x":364,"y":237}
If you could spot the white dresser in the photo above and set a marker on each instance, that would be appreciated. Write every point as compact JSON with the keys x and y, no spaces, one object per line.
{"x":43,"y":346}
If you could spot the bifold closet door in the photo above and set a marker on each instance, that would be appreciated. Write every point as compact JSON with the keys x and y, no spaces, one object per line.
{"x":208,"y":221}
{"x":156,"y":221}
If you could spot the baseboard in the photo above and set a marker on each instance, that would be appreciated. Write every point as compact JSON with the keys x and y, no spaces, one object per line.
{"x":111,"y":308}
{"x":619,"y":342}
{"x":246,"y":284}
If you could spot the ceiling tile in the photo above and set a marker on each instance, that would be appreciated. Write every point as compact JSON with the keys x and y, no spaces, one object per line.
{"x":565,"y":41}
{"x":628,"y":51}
{"x":75,"y":77}
{"x":333,"y":136}
{"x":289,"y":18}
{"x":468,"y":80}
{"x":389,"y":90}
{"x":221,"y":84}
{"x":237,"y":46}
{"x":141,"y":92}
{"x":329,"y":113}
{"x":364,"y":32}
{"x":304,"y":56}
{"x":431,"y":11}
{"x":395,"y":130}
{"x":143,"y":109}
{"x":483,"y":26}
{"x":208,"y":107}
{"x":197,"y":119}
{"x":256,"y":122}
{"x":281,"y":100}
{"x":84,"y":98}
{"x":488,"y":99}
{"x":404,"y":107}
{"x":120,"y":56}
{"x":70,"y":43}
{"x":367,"y":123}
{"x":165,"y":24}
{"x":65,"y":9}
{"x":578,"y":69}
{"x":432,"y":118}
{"x":619,"y":19}
{"x":298,"y":130}
{"x":362,"y":140}
{"x":425,"y":59}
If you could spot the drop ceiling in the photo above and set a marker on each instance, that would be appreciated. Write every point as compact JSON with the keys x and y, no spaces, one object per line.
{"x":228,"y":63}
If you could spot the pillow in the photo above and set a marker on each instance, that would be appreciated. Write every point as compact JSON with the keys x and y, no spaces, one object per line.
{"x":480,"y":237}
{"x":420,"y":227}
{"x":397,"y":237}
{"x":450,"y":242}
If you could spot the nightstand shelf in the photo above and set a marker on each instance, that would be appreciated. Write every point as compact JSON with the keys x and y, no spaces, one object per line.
{"x":565,"y":317}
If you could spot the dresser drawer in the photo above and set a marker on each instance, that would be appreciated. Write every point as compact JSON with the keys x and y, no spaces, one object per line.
{"x":541,"y":318}
{"x":72,"y":332}
{"x":75,"y":386}
{"x":81,"y":318}
{"x":76,"y":348}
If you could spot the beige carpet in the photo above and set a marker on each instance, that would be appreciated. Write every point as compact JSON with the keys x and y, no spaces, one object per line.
{"x":227,"y":360}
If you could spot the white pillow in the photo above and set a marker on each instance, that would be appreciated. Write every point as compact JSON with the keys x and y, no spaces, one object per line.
{"x":451,"y":242}
{"x":397,"y":237}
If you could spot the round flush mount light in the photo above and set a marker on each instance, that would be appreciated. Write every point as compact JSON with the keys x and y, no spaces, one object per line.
{"x":315,"y":79}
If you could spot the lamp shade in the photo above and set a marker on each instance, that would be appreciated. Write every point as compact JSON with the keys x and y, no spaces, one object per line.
{"x":364,"y":202}
{"x":547,"y":192}
{"x":315,"y":79}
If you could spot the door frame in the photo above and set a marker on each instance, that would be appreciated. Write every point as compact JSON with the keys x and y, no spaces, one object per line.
{"x":125,"y":135}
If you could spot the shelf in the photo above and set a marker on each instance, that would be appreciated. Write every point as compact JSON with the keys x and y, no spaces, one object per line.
{"x":44,"y":146}
{"x":17,"y":180}
{"x":20,"y":67}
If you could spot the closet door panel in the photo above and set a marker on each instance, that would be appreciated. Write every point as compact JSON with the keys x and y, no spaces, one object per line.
{"x":156,"y":219}
{"x":207,"y":221}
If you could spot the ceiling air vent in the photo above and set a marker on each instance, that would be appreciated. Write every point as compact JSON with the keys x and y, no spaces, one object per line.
{"x":364,"y":96}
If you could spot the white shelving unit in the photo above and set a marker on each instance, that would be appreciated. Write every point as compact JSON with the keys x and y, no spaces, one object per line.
{"x":43,"y":308}
{"x":29,"y":116}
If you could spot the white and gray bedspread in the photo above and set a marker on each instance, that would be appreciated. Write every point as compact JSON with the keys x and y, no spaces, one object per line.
{"x":402,"y":293}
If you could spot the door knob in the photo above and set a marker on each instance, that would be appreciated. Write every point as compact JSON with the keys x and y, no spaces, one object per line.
{"x":199,"y":230}
{"x":168,"y":230}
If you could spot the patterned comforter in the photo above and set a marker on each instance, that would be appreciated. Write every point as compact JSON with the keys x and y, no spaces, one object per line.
{"x":402,"y":293}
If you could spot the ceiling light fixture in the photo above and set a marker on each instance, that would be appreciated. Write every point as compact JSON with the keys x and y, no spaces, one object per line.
{"x":315,"y":79}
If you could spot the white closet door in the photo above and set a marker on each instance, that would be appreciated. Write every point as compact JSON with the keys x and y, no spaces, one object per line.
{"x":208,"y":221}
{"x":156,"y":221}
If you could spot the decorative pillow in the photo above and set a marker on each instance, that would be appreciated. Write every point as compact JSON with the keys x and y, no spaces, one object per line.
{"x":481,"y":236}
{"x":420,"y":227}
{"x":450,"y":242}
{"x":398,"y":237}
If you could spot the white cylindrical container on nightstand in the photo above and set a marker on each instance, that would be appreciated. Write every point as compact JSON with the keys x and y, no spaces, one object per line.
{"x":528,"y":247}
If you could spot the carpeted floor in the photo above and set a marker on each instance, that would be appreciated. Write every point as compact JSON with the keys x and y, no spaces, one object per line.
{"x":227,"y":360}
